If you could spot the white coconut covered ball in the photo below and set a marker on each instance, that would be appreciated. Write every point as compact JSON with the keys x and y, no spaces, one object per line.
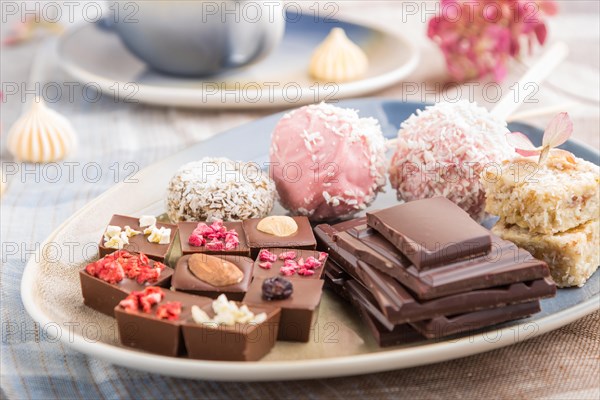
{"x":442,"y":150}
{"x":219,"y":188}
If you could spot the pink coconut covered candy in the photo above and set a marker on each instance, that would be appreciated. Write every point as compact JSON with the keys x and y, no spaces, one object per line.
{"x":327,"y":162}
{"x":442,"y":150}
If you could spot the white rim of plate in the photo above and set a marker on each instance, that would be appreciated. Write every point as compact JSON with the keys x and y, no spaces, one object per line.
{"x":193,"y":97}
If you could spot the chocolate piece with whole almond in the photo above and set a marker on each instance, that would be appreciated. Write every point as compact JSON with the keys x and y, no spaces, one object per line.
{"x":187,"y":281}
{"x":303,"y":238}
{"x":214,"y":271}
{"x":278,"y":225}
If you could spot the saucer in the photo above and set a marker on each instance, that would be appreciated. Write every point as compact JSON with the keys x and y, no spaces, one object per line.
{"x":93,"y":54}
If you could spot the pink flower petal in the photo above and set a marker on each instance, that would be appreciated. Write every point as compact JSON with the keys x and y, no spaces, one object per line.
{"x":521,"y":143}
{"x":558,"y":131}
{"x":540,"y":33}
{"x":527,"y":153}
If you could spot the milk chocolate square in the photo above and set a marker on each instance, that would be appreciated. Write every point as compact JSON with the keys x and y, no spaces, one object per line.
{"x":184,"y":280}
{"x":145,"y":331}
{"x":275,"y":266}
{"x":297,"y":311}
{"x":186,"y":229}
{"x":303,"y":239}
{"x":239,"y":342}
{"x":139,"y":243}
{"x":431,"y":232}
{"x":103,"y":296}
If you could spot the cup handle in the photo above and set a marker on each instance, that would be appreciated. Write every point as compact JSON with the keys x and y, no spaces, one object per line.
{"x":106,"y":23}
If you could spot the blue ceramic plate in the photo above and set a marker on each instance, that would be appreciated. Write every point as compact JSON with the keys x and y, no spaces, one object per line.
{"x":340,"y":344}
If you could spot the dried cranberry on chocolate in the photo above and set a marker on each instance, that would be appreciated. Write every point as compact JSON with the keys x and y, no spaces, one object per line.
{"x":277,"y":288}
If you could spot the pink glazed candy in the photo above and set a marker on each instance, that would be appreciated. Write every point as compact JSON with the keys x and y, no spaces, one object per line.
{"x":327,"y":163}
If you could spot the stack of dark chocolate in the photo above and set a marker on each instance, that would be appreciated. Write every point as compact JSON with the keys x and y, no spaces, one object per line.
{"x":425,"y":269}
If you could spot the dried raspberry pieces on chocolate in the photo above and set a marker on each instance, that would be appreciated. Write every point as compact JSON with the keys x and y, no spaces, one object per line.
{"x":215,"y":245}
{"x":170,"y":311}
{"x":287,"y":255}
{"x":215,"y":237}
{"x":287,"y":270}
{"x":305,"y":272}
{"x":114,"y":267}
{"x":266,"y":255}
{"x":196,"y":240}
{"x":312,"y":263}
{"x":143,"y":299}
{"x":265,"y":265}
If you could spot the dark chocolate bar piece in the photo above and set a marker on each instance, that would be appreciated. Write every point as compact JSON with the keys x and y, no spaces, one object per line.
{"x":446,"y":326}
{"x":399,"y":305}
{"x":506,"y":263}
{"x":335,"y":280}
{"x":431,"y":232}
{"x":400,"y":334}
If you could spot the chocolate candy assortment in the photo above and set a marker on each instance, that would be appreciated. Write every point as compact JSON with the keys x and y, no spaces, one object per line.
{"x":227,"y":280}
{"x":455,"y":291}
{"x":217,"y":303}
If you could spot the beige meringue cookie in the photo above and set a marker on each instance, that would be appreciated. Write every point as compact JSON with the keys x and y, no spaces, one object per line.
{"x":41,"y":135}
{"x":338,"y":59}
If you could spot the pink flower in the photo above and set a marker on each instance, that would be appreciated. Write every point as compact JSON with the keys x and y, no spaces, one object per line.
{"x":557,"y":132}
{"x":478,"y":38}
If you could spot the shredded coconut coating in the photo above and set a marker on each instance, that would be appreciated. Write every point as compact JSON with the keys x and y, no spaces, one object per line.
{"x":219,"y":189}
{"x":556,"y":196}
{"x":340,"y":158}
{"x":442,"y":151}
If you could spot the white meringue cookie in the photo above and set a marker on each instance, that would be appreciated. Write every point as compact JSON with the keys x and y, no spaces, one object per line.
{"x":41,"y":135}
{"x":338,"y":59}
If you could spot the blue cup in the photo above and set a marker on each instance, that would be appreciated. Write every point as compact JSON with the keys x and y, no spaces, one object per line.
{"x":198,"y":38}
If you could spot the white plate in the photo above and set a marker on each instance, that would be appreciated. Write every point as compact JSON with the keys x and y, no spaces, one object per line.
{"x":340,"y":345}
{"x":94,"y":55}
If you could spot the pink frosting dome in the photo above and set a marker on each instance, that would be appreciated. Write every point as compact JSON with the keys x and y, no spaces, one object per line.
{"x":442,"y":151}
{"x":326,"y":162}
